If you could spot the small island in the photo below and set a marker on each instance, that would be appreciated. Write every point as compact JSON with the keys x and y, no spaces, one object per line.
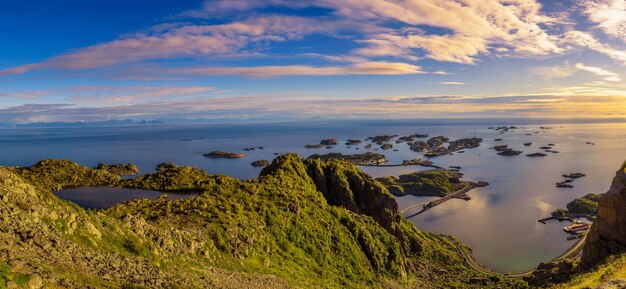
{"x":586,"y":206}
{"x":353,"y":142}
{"x":368,"y":158}
{"x":381,"y":139}
{"x":226,"y":155}
{"x":569,"y":178}
{"x":505,"y":150}
{"x":260,"y":163}
{"x":328,"y":141}
{"x":424,"y":183}
{"x":435,"y":146}
{"x":386,"y":146}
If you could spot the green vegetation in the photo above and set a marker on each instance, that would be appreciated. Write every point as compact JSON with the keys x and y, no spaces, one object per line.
{"x":303,"y":223}
{"x":172,"y":178}
{"x":610,"y":274}
{"x":56,"y":175}
{"x":119,"y":169}
{"x":560,"y":213}
{"x":424,"y":183}
{"x":586,"y":205}
{"x":6,"y":276}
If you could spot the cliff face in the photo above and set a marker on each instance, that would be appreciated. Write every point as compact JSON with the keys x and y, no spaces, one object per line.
{"x":608,"y":233}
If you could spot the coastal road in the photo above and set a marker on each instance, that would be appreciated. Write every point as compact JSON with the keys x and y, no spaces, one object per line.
{"x":469,"y":259}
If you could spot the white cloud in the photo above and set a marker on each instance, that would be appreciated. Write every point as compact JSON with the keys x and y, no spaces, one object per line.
{"x":550,"y":72}
{"x":381,"y":29}
{"x":451,"y":83}
{"x":607,"y":74}
{"x":587,"y":40}
{"x":380,"y":68}
{"x":609,"y":15}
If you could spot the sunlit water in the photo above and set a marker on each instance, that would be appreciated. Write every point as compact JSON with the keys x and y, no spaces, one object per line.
{"x":499,"y":223}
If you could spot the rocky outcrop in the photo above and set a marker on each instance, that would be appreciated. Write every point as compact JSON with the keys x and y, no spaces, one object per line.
{"x":608,"y":233}
{"x":119,"y":169}
{"x":345,"y":186}
{"x":551,"y":273}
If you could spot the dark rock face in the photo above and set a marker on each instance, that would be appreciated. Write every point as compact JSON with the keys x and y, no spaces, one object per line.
{"x":346,"y":187}
{"x":608,"y":233}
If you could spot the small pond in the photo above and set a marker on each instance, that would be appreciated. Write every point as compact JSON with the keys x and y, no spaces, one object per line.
{"x":106,"y":197}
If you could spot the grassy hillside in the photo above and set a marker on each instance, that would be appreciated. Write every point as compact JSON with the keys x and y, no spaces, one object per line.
{"x":610,"y":274}
{"x":302,"y":224}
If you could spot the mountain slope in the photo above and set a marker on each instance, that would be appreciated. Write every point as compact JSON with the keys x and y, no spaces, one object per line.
{"x":302,"y":223}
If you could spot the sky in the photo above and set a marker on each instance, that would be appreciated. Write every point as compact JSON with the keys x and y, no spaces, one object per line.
{"x":71,"y":60}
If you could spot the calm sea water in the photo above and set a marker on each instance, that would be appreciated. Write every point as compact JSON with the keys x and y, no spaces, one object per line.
{"x":499,"y":223}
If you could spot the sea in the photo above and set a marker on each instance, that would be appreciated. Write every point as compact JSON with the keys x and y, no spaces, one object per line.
{"x":499,"y":223}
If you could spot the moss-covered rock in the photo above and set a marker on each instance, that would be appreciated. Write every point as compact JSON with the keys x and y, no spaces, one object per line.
{"x":61,"y":174}
{"x":584,"y":206}
{"x":119,"y":169}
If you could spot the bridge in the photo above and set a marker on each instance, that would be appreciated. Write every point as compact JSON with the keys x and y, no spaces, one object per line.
{"x":456,"y":194}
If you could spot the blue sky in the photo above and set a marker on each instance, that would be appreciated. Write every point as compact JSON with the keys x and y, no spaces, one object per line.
{"x":279,"y":59}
